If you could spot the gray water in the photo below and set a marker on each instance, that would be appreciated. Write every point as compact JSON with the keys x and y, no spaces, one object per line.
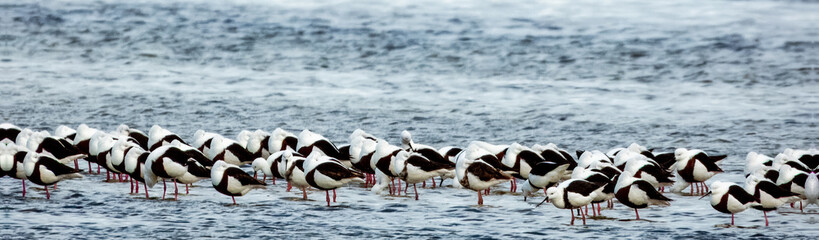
{"x":725,"y":76}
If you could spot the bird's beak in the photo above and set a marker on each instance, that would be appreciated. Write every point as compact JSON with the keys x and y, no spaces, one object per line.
{"x":706,"y":194}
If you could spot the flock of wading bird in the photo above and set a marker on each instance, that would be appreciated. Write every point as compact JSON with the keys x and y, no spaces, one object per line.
{"x":634,"y":176}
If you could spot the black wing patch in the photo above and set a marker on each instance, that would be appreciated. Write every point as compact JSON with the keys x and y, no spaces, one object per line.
{"x":650,"y":190}
{"x":486,"y":172}
{"x":141,"y":139}
{"x":240,"y":152}
{"x":741,"y":195}
{"x":242,"y":176}
{"x":197,"y":170}
{"x":55,"y":166}
{"x":337,"y":171}
{"x":772,"y":189}
{"x":425,"y":164}
{"x":584,"y":187}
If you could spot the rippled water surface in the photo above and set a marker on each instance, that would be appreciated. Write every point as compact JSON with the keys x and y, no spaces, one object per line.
{"x":725,"y":76}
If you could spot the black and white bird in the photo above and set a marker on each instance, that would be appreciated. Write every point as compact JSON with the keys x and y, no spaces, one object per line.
{"x":769,"y":194}
{"x":198,"y":167}
{"x":11,"y":161}
{"x":414,"y":168}
{"x":159,"y":136}
{"x":327,"y":173}
{"x":543,"y":176}
{"x":637,"y":193}
{"x":594,"y":175}
{"x":473,"y":172}
{"x":228,"y":150}
{"x":428,"y":152}
{"x":99,"y":146}
{"x":82,"y":141}
{"x":362,"y":148}
{"x":694,"y":166}
{"x":645,"y":168}
{"x":573,"y":194}
{"x":730,"y":198}
{"x":45,"y":170}
{"x":519,"y":160}
{"x":291,"y":167}
{"x":166,"y":162}
{"x":231,"y":180}
{"x":134,"y":164}
{"x":381,"y":162}
{"x":793,"y":178}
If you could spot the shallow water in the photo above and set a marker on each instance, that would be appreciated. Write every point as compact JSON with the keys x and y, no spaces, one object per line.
{"x":725,"y":76}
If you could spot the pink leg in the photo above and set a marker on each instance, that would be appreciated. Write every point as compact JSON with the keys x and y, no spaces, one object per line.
{"x":76,"y":165}
{"x":598,"y":210}
{"x":146,"y":189}
{"x":137,"y":186}
{"x":637,"y":213}
{"x":328,"y":197}
{"x":480,"y":198}
{"x":304,"y":193}
{"x":766,"y":217}
{"x":424,"y":183}
{"x":164,"y":187}
{"x":289,"y":186}
{"x":48,"y":195}
{"x":584,"y":217}
{"x":55,"y":186}
{"x":732,"y":219}
{"x":571,"y":210}
{"x":175,"y":190}
{"x":24,"y":188}
{"x":132,"y":186}
{"x":187,"y":190}
{"x":234,"y":199}
{"x":89,"y":168}
{"x":264,"y":178}
{"x":334,"y":195}
{"x":107,"y":175}
{"x":406,"y":187}
{"x":433,"y":182}
{"x":416,"y":191}
{"x":254,"y":175}
{"x":399,"y":187}
{"x":98,"y":169}
{"x":594,"y":212}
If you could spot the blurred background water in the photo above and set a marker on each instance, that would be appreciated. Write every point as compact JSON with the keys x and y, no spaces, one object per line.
{"x":725,"y":76}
